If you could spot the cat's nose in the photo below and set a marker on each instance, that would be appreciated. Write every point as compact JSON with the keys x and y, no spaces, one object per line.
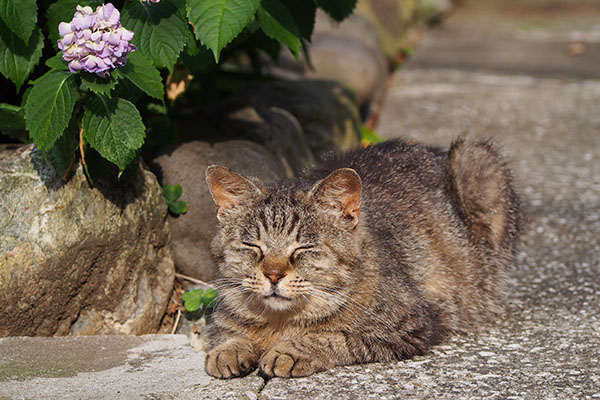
{"x":274,"y":275}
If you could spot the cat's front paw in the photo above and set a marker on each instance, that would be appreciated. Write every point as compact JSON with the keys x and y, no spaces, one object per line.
{"x":231,"y":360}
{"x":285,"y":361}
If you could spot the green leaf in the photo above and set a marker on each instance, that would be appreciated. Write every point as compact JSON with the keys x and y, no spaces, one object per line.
{"x":192,"y":46}
{"x":218,"y":22}
{"x":160,"y":109}
{"x":17,"y":59}
{"x":140,"y":71}
{"x":63,"y":11}
{"x":20,"y":16}
{"x":209,"y":298}
{"x":304,"y":13}
{"x":277,"y":22}
{"x":20,"y":135}
{"x":97,"y":84}
{"x":200,"y":62}
{"x":160,"y":132}
{"x":270,"y":46}
{"x":177,"y":207}
{"x":369,"y":136}
{"x":49,"y":107}
{"x":337,"y":9}
{"x":62,"y":154}
{"x":56,"y":62}
{"x":192,"y":299}
{"x":114,"y":128}
{"x":12,"y":122}
{"x":172,"y":192}
{"x":160,"y":30}
{"x":11,"y":117}
{"x":128,"y":91}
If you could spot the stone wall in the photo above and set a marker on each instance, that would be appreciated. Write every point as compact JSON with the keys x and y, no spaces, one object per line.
{"x":76,"y":259}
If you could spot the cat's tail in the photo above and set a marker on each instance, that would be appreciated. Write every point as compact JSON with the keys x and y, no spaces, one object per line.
{"x":482,"y":187}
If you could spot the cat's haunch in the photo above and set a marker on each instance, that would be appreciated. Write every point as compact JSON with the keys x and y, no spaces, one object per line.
{"x":374,"y":255}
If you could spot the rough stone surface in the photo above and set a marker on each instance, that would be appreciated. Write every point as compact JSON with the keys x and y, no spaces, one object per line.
{"x":391,"y":20}
{"x":277,"y":130}
{"x":112,"y":367}
{"x":185,"y":164}
{"x":272,"y":127}
{"x":76,"y":259}
{"x":432,"y":10}
{"x":327,"y":111}
{"x":348,"y":52}
{"x":362,"y":68}
{"x":355,"y":26}
{"x":533,"y":37}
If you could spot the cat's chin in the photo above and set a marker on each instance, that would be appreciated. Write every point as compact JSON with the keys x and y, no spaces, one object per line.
{"x":278,"y":303}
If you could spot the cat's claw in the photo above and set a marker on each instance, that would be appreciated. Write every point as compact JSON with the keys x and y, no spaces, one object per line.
{"x":276,"y":363}
{"x":230,"y":361}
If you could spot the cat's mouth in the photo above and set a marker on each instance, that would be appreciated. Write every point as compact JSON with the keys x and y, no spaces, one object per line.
{"x":277,"y":302}
{"x":276,"y":295}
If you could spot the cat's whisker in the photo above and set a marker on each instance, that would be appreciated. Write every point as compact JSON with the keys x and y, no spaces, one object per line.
{"x":332,"y":287}
{"x":251,"y":297}
{"x":225,"y":291}
{"x":260,"y":316}
{"x":349,"y":303}
{"x":228,"y":281}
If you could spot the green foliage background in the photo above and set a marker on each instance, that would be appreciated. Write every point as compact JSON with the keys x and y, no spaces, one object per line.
{"x":42,"y":102}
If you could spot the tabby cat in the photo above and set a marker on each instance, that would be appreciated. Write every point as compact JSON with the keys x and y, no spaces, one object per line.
{"x":376,"y":255}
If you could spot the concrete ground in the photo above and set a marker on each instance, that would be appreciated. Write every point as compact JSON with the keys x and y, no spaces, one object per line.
{"x":527,"y":75}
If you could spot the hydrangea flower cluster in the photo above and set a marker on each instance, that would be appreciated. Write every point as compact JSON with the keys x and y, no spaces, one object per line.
{"x":95,"y":41}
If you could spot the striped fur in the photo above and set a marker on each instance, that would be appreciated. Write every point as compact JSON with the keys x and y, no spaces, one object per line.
{"x":375,"y":255}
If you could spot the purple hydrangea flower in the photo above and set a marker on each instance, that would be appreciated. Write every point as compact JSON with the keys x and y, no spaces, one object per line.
{"x":95,"y":41}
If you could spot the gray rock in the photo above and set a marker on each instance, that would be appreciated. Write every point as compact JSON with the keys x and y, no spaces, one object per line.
{"x":349,"y":61}
{"x":76,"y":259}
{"x":274,"y":128}
{"x":185,"y":165}
{"x":432,"y":10}
{"x":112,"y":367}
{"x":392,"y":21}
{"x":327,"y":111}
{"x":356,"y":27}
{"x":349,"y":52}
{"x":516,"y":38}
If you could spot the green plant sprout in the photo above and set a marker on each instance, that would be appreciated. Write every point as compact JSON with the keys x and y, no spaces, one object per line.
{"x":369,"y":136}
{"x":172,"y":193}
{"x":198,"y":299}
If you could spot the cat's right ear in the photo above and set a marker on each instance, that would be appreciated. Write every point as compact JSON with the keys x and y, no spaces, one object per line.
{"x":229,"y":189}
{"x":340,"y":193}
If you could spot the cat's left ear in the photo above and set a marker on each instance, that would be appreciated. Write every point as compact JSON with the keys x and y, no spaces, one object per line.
{"x":340,"y":192}
{"x":229,"y":189}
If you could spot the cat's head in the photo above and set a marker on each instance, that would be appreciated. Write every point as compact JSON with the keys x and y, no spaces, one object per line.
{"x":289,"y":248}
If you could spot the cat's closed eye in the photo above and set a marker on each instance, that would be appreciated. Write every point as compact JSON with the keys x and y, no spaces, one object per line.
{"x":298,"y":251}
{"x":254,"y":248}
